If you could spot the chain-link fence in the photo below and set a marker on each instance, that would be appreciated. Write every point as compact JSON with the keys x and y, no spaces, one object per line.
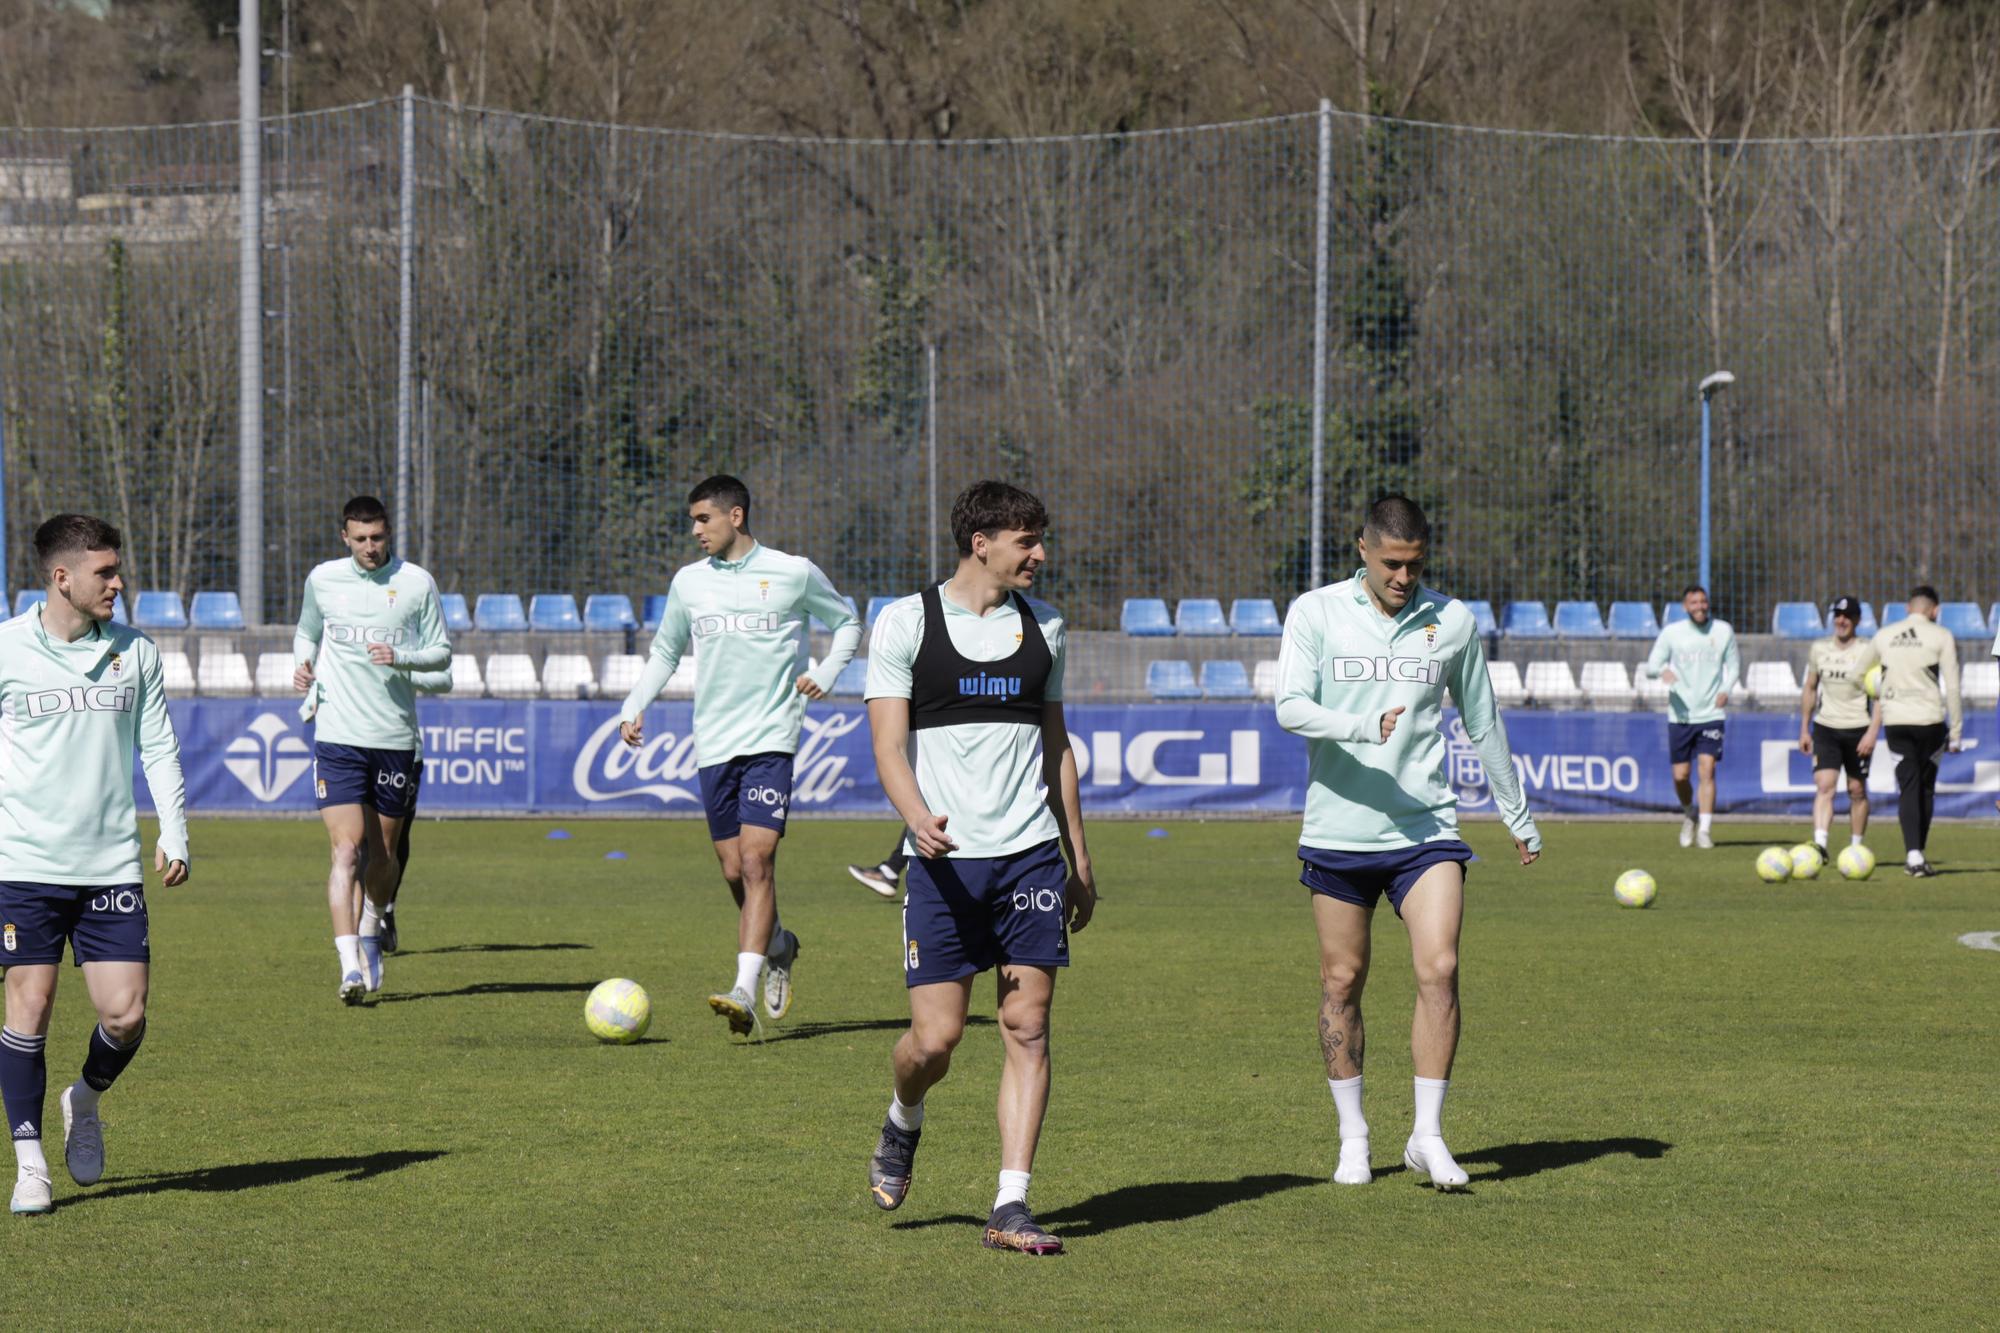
{"x":1125,"y":324}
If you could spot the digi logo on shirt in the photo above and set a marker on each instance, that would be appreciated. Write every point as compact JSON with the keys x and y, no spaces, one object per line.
{"x":1408,"y":670}
{"x":365,"y":634}
{"x":82,"y":699}
{"x":745,"y":624}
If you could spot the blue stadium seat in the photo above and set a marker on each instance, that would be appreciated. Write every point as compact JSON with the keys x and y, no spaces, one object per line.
{"x":1579,"y":620}
{"x":553,"y":613}
{"x":28,"y":597}
{"x":1225,"y":679}
{"x":1634,"y":620}
{"x":1482,"y":616}
{"x":118,"y":616}
{"x":1893,"y":612}
{"x":1527,"y":620}
{"x":852,"y":682}
{"x":159,"y":610}
{"x":1171,"y":678}
{"x":499,"y":611}
{"x":605,"y":612}
{"x":852,"y":608}
{"x":654,"y":609}
{"x":877,"y":605}
{"x":456,"y":618}
{"x":1866,"y":626}
{"x":1255,"y":617}
{"x":1146,"y":618}
{"x":1992,"y":616}
{"x":1672,"y":614}
{"x":1964,"y":620}
{"x":216,"y":610}
{"x":1200,"y":616}
{"x":1796,"y":620}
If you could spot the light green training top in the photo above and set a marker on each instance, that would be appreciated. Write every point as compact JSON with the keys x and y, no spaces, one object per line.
{"x":71,"y":715}
{"x":985,"y":777}
{"x":748,"y":621}
{"x":1705,"y":667}
{"x":1341,"y":666}
{"x":347,"y":608}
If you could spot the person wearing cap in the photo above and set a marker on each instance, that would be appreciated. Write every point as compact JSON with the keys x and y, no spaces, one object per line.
{"x":1836,"y":726}
{"x":1922,"y":715}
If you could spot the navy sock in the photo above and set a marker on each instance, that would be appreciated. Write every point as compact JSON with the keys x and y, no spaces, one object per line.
{"x":107,"y":1059}
{"x":24,"y":1082}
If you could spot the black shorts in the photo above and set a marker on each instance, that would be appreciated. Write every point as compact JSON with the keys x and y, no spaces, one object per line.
{"x":1840,"y":747}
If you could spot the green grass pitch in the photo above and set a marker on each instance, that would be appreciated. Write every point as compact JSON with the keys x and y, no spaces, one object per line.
{"x":1749,"y":1105}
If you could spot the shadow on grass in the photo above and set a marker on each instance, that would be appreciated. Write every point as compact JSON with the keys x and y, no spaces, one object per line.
{"x":256,"y":1175}
{"x":839,"y":1027}
{"x":1132,"y":1205}
{"x":1518,"y":1161}
{"x":490,"y":948}
{"x":493,"y":988}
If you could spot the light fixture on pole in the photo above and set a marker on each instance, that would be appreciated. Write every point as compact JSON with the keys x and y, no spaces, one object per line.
{"x":1709,"y":387}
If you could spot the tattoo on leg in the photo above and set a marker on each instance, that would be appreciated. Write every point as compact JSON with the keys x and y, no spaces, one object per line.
{"x":1335,"y":1018}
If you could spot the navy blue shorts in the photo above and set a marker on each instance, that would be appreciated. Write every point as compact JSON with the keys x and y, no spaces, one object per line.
{"x":1685,"y":740}
{"x":103,"y":923}
{"x":749,"y":789}
{"x":384,"y":780}
{"x":1362,"y":878}
{"x":966,"y":914}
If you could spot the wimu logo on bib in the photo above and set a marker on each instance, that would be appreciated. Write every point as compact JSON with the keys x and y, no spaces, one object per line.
{"x":983,"y":686}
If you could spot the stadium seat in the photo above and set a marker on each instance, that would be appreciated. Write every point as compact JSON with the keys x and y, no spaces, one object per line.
{"x":1979,"y":682}
{"x":1200,"y":616}
{"x":222,"y":670}
{"x":568,"y":676}
{"x":176,"y":672}
{"x":1606,"y":685}
{"x":118,"y":616}
{"x":852,"y":682}
{"x":1508,"y":691}
{"x":1993,"y":617}
{"x":681,"y":684}
{"x":1527,"y":620}
{"x":654,"y":609}
{"x":215,"y":610}
{"x":466,"y":680}
{"x":1867,"y":627}
{"x":618,"y":673}
{"x":1225,"y":679}
{"x":553,"y":613}
{"x":1264,"y":679}
{"x":852,"y":608}
{"x":877,"y":605}
{"x":1552,"y":685}
{"x":1482,"y":616}
{"x":498,"y":611}
{"x":1634,"y":620}
{"x":1797,"y":620}
{"x":1652,"y":691}
{"x":1672,"y":613}
{"x":510,"y":675}
{"x":1146,"y":618}
{"x":1894,"y":611}
{"x":274,"y":675}
{"x":1964,"y":620}
{"x":608,"y":613}
{"x":1255,"y":618}
{"x":159,"y":610}
{"x":1171,"y":678}
{"x":29,"y":597}
{"x":457,"y":619}
{"x":1580,"y":620}
{"x":1771,"y":684}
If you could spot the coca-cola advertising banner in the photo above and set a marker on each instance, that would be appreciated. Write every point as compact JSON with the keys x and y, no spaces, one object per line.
{"x":564,"y":757}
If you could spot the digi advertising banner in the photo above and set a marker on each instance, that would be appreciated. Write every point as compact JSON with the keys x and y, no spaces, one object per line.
{"x":544,"y":757}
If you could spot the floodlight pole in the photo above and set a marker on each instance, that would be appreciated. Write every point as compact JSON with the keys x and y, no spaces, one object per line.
{"x":406,"y":246}
{"x":1709,"y":388}
{"x":250,"y":321}
{"x":1322,"y":226}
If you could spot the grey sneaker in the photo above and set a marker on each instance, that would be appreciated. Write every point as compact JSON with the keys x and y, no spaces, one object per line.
{"x":778,"y":977}
{"x":880,"y":879}
{"x":83,"y":1141}
{"x":889,"y":1170}
{"x":736,"y":1006}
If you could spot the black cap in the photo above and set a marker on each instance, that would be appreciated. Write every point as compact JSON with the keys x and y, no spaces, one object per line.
{"x":1845,"y":606}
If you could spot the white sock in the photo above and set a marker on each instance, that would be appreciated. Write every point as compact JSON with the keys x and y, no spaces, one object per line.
{"x":748,"y":965}
{"x":349,"y":949}
{"x":1347,"y":1101}
{"x":83,"y":1097}
{"x":1914,"y":857}
{"x":1819,"y":838}
{"x":1854,"y":840}
{"x":1013,"y":1188}
{"x":1430,"y":1107}
{"x":27,"y":1153}
{"x":777,"y":935}
{"x":1705,"y":820}
{"x":909,"y":1119}
{"x":371,"y":920}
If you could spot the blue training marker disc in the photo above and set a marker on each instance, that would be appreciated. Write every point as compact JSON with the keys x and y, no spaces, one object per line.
{"x":1156,"y":833}
{"x":614,"y":856}
{"x":558,"y":834}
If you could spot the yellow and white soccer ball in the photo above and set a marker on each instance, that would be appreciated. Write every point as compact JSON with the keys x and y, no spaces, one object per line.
{"x":618,"y":1011}
{"x":1774,"y":864}
{"x":1871,"y":681}
{"x":1807,"y":861}
{"x":1635,"y":888}
{"x":1855,"y":861}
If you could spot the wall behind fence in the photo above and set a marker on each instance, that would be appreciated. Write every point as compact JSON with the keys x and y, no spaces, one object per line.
{"x":1124,"y":324}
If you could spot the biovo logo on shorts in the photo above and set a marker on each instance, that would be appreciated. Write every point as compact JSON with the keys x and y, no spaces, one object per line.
{"x":1037,"y":900}
{"x":125,"y":902}
{"x":765,"y":796}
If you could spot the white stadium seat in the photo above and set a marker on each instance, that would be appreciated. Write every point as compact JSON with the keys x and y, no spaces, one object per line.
{"x":1264,"y":679}
{"x":1652,"y":691}
{"x":618,"y":673}
{"x":466,"y":682}
{"x":568,"y":676}
{"x":224,"y":672}
{"x":681,"y":686}
{"x":1772,"y":684}
{"x":1606,"y":685}
{"x":176,"y":672}
{"x":1551,"y":685}
{"x":511,"y":676}
{"x":274,"y":675}
{"x":1979,"y":683}
{"x":1508,"y":691}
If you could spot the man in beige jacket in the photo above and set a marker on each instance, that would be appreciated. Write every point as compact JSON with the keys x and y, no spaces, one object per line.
{"x":1921,"y":715}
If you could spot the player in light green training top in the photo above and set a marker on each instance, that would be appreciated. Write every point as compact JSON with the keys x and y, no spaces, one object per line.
{"x":747,"y":608}
{"x":1362,"y":674}
{"x":1697,"y":659}
{"x":367,"y":624}
{"x":78,"y":693}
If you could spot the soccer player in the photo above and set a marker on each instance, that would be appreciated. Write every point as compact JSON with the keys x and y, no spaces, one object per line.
{"x":78,"y":693}
{"x":366,"y":625}
{"x":974,"y":671}
{"x":1362,"y":673}
{"x":1697,"y":659}
{"x":748,"y":607}
{"x":1922,"y":715}
{"x":886,"y":876}
{"x":423,"y":682}
{"x":1836,"y":726}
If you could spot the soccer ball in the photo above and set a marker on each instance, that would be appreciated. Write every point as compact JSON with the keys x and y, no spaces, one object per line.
{"x":1774,"y":864}
{"x":1635,"y":888}
{"x":1856,"y":861}
{"x":618,"y":1011}
{"x":1871,"y":681}
{"x":1807,"y":861}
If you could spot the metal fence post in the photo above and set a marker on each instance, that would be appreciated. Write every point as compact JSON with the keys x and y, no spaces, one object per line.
{"x":406,"y":249}
{"x":250,"y":321}
{"x":1320,"y":242}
